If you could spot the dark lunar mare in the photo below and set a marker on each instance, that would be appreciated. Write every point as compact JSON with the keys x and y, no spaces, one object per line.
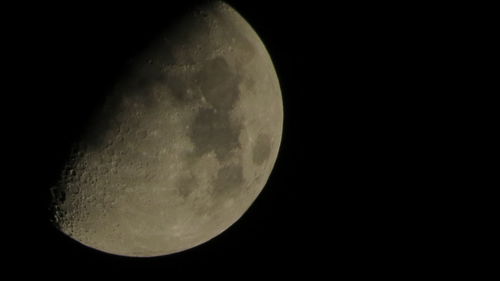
{"x":213,"y":129}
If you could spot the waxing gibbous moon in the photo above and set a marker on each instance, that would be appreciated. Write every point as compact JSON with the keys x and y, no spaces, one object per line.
{"x":183,"y":144}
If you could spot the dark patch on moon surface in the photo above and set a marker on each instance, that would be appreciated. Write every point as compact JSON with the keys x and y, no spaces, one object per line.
{"x":229,"y":179}
{"x":219,"y":84}
{"x":261,"y":149}
{"x":213,"y":131}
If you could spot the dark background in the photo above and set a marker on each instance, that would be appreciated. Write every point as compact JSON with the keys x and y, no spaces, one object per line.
{"x":329,"y":205}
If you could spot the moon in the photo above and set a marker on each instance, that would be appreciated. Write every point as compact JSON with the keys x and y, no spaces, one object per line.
{"x":183,"y":144}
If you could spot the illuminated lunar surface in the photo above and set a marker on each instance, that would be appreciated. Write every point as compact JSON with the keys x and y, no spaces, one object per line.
{"x":183,"y":144}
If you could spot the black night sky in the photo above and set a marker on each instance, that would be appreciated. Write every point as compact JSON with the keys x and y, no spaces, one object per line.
{"x":325,"y":207}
